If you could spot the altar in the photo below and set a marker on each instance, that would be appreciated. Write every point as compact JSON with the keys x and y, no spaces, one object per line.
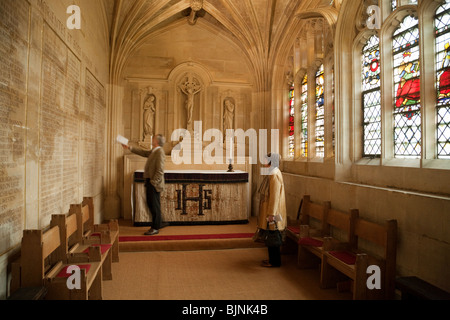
{"x":196,"y":197}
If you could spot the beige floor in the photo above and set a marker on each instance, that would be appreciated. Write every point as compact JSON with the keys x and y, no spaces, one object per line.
{"x":221,"y":270}
{"x":212,"y":275}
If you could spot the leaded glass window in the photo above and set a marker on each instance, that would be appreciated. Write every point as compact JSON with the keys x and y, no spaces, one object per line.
{"x":304,"y":115}
{"x":291,"y":121}
{"x":371,"y":98}
{"x":394,"y":4}
{"x":333,"y":113}
{"x":407,"y":109}
{"x":443,"y":80}
{"x":320,"y":113}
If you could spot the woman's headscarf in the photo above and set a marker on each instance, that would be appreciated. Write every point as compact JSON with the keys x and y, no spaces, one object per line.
{"x":274,"y":160}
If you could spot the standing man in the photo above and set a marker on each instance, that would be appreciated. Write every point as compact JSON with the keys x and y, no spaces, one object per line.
{"x":154,"y":179}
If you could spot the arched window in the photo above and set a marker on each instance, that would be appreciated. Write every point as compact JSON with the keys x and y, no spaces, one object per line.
{"x":304,"y":115}
{"x":320,"y":113}
{"x":442,"y":23}
{"x":291,"y":121}
{"x":371,"y":97}
{"x":333,"y":113}
{"x":407,"y":109}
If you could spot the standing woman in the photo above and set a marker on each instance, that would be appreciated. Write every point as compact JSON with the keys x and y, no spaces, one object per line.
{"x":272,"y":206}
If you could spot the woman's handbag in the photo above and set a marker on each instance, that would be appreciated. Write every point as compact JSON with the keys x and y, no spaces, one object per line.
{"x":259,"y":236}
{"x":273,"y":238}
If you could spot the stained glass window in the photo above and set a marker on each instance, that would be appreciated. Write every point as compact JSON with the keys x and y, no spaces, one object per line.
{"x":304,"y":115}
{"x":407,"y":110}
{"x":291,"y":121}
{"x":371,"y":98}
{"x":333,"y":114}
{"x":394,"y":4}
{"x":320,"y":113}
{"x":443,"y":80}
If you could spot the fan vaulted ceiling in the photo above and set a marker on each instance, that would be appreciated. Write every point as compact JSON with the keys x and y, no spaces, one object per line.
{"x":259,"y":27}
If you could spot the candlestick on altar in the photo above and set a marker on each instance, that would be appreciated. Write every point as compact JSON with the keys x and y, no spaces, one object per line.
{"x":230,"y":166}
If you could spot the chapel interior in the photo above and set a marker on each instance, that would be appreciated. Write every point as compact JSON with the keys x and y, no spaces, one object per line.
{"x":353,"y":94}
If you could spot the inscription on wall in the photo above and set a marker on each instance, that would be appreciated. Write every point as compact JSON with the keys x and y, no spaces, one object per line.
{"x":53,"y":109}
{"x":54,"y":61}
{"x":13,"y":75}
{"x":94,"y":135}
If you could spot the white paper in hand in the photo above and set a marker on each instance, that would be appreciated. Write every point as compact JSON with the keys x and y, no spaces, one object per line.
{"x":278,"y":218}
{"x":122,"y":140}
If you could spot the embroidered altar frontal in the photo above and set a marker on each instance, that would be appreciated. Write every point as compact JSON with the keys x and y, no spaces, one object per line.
{"x":196,"y":197}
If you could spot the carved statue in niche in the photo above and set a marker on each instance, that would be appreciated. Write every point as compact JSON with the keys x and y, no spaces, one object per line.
{"x":190,"y":87}
{"x":149,"y":115}
{"x":228,"y":114}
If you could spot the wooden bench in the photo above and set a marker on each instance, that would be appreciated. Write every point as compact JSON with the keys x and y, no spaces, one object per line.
{"x":31,"y":293}
{"x":73,"y":243}
{"x":414,"y":288}
{"x":311,"y":236}
{"x":40,"y":266}
{"x":334,"y":232}
{"x":89,"y":229}
{"x":293,"y":226}
{"x":353,"y":262}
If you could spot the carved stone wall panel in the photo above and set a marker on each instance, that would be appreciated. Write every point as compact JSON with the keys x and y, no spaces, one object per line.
{"x":32,"y":144}
{"x":42,"y":113}
{"x":94,"y":135}
{"x":51,"y":125}
{"x":13,"y":50}
{"x":72,"y":131}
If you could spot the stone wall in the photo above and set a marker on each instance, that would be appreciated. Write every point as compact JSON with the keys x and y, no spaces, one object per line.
{"x":53,"y":100}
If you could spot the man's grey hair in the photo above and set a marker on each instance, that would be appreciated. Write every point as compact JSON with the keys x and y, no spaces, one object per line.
{"x":160,"y":139}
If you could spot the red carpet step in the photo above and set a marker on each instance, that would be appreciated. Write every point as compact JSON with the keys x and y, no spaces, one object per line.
{"x":185,"y":237}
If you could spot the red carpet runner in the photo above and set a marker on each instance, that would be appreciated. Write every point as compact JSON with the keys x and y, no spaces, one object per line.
{"x":186,"y":237}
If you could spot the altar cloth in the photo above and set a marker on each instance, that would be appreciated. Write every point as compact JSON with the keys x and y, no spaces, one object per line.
{"x":196,"y":197}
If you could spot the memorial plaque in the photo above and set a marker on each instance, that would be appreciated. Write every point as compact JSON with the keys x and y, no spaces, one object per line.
{"x":71,"y":129}
{"x":52,"y":126}
{"x":94,"y":136}
{"x":13,"y":76}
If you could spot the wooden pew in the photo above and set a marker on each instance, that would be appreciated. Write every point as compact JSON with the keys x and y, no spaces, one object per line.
{"x":311,"y":237}
{"x":90,"y":230}
{"x":353,"y":262}
{"x":334,"y":233}
{"x":40,"y":266}
{"x":414,"y":288}
{"x":72,"y":243}
{"x":293,"y":226}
